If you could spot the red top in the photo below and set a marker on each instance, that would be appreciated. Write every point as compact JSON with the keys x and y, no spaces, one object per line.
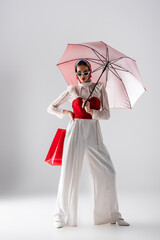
{"x":80,"y":112}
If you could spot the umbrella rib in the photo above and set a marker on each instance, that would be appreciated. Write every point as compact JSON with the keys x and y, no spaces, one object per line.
{"x":123,"y":85}
{"x":100,"y":59}
{"x":92,"y":49}
{"x":90,"y":59}
{"x":117,"y":59}
{"x":76,"y":59}
{"x":115,"y":74}
{"x":120,"y":68}
{"x":98,"y":56}
{"x":115,"y":70}
{"x":67,"y":61}
{"x":97,"y":69}
{"x":107,"y":51}
{"x":123,"y":70}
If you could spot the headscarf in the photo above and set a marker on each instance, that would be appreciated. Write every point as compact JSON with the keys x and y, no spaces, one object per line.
{"x":89,"y":65}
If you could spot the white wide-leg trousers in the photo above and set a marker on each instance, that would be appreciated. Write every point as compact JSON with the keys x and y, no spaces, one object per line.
{"x":84,"y":138}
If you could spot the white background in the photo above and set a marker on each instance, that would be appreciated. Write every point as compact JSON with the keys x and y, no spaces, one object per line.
{"x":34,"y":35}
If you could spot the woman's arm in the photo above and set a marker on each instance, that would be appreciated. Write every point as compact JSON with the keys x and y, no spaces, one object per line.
{"x":54,"y":106}
{"x":103,"y":113}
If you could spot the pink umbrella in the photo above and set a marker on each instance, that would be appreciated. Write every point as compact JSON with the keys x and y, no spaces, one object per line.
{"x":118,"y":72}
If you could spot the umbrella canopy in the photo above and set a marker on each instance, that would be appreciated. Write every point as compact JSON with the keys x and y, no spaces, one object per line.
{"x":120,"y":75}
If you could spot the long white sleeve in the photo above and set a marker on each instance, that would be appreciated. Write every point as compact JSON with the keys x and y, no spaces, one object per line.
{"x":104,"y":112}
{"x":54,"y":106}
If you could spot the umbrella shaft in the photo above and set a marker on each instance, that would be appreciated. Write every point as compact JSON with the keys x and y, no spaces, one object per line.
{"x":95,"y":85}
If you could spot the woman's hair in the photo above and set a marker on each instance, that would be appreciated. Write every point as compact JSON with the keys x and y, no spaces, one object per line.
{"x":82,"y":62}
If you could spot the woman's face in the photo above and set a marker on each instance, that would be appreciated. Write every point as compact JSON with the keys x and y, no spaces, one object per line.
{"x":83,"y":69}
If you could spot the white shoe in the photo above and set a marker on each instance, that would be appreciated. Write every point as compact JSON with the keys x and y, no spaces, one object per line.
{"x":58,"y":224}
{"x":121,"y":222}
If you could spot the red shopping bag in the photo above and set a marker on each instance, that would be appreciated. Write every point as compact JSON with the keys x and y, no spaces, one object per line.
{"x":54,"y":156}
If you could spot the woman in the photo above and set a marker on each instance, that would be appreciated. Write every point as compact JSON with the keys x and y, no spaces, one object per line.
{"x":84,"y":138}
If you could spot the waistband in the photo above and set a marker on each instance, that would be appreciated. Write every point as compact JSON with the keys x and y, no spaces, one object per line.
{"x":84,"y":120}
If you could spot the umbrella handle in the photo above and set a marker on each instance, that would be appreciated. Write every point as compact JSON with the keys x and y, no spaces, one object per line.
{"x":84,"y":104}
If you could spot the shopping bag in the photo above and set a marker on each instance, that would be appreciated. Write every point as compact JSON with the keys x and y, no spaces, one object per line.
{"x":54,"y":156}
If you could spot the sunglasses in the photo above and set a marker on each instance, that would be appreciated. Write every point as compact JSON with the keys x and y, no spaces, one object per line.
{"x":85,"y":73}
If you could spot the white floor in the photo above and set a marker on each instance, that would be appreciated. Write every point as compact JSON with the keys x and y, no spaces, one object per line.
{"x":31,"y":218}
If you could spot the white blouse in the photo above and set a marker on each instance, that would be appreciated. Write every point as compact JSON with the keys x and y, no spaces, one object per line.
{"x":82,"y":90}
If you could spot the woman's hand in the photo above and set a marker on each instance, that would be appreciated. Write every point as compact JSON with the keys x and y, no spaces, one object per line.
{"x":70,"y":113}
{"x":87,"y":107}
